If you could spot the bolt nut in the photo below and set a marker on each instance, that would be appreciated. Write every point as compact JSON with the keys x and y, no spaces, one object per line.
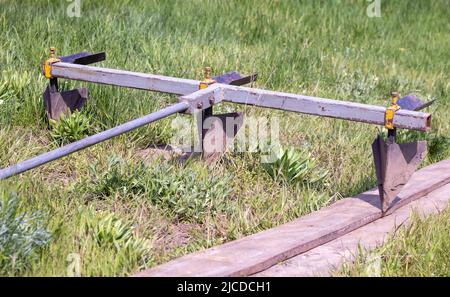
{"x":211,"y":100}
{"x":199,"y":105}
{"x":207,"y":72}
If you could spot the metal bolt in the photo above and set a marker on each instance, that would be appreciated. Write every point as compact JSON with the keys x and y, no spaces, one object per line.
{"x":207,"y":72}
{"x":211,"y":100}
{"x":394,"y":96}
{"x":199,"y":105}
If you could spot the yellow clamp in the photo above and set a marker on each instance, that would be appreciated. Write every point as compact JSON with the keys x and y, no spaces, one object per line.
{"x":390,"y":111}
{"x":207,"y":81}
{"x":47,"y":67}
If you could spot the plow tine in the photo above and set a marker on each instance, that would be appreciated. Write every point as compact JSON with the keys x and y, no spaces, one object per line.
{"x":84,"y":58}
{"x":57,"y":103}
{"x":394,"y":165}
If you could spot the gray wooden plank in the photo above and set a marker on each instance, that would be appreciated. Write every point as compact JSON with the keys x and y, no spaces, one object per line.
{"x":260,"y":251}
{"x":324,"y":259}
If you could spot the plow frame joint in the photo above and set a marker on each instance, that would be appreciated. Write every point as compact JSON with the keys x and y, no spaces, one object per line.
{"x":203,"y":99}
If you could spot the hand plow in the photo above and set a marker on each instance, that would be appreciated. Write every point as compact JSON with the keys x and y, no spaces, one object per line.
{"x":394,"y":162}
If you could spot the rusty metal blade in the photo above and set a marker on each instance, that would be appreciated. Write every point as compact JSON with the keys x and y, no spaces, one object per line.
{"x":57,"y":103}
{"x":394,"y":165}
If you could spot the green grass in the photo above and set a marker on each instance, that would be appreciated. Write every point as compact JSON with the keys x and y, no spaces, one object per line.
{"x":328,"y":49}
{"x":420,"y":249}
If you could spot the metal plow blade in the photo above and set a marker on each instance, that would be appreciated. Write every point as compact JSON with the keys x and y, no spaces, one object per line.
{"x":394,"y":165}
{"x":57,"y":103}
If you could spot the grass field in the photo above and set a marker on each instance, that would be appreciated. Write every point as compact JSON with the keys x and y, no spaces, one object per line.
{"x":107,"y":210}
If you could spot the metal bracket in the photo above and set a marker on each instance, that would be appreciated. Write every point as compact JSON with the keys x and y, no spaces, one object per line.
{"x":212,"y":94}
{"x":213,"y":135}
{"x":218,"y":133}
{"x":47,"y":66}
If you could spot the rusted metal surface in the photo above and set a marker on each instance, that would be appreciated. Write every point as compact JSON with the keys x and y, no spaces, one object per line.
{"x":216,"y":132}
{"x":203,"y":99}
{"x":244,"y":80}
{"x":90,"y":140}
{"x":394,"y":165}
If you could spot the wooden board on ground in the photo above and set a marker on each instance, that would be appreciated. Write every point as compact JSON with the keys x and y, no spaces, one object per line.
{"x":260,"y":251}
{"x":324,"y":259}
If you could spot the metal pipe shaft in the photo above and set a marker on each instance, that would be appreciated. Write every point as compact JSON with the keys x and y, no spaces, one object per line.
{"x":90,"y":140}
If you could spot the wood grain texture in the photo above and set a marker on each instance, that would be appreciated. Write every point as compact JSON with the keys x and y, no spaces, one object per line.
{"x":260,"y":251}
{"x":394,"y":165}
{"x":324,"y":259}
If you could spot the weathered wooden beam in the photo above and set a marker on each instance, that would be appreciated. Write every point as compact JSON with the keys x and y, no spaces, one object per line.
{"x":404,"y":119}
{"x":122,"y":78}
{"x":257,"y":252}
{"x":327,"y":258}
